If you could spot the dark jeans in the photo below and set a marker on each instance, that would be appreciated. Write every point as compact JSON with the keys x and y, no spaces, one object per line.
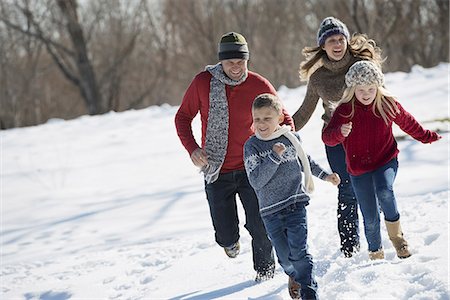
{"x":221,"y":196}
{"x":288,"y":231}
{"x":347,"y":212}
{"x":375,"y":189}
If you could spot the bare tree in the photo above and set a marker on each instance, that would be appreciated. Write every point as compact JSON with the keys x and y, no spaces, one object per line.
{"x":129,"y":54}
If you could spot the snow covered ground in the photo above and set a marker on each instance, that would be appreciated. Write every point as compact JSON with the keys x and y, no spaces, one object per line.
{"x":110,"y":207}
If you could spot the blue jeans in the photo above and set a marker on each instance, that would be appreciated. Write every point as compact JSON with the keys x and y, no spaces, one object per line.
{"x":347,"y":211}
{"x":373,"y":190}
{"x":221,"y":196}
{"x":288,"y":232}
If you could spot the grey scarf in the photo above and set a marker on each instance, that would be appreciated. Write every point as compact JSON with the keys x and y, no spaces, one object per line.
{"x":216,"y":141}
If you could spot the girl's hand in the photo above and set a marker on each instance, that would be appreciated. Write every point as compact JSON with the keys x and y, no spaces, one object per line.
{"x":279,"y":148}
{"x":333,"y":178}
{"x":346,"y":129}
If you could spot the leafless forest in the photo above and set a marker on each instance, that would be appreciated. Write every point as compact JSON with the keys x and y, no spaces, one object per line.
{"x":66,"y":58}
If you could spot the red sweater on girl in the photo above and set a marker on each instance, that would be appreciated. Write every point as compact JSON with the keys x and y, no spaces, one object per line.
{"x":371,"y":143}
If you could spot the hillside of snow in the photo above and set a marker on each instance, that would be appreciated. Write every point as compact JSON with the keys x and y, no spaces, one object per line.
{"x":111,"y":207}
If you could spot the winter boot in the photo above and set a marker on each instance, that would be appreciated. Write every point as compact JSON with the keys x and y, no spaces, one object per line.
{"x":396,"y":236}
{"x":294,"y":288}
{"x":233,"y":250}
{"x":374,"y":255}
{"x":266,"y":273}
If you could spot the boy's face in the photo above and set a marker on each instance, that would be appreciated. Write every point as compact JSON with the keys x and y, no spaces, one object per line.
{"x":366,"y":93}
{"x":266,"y":120}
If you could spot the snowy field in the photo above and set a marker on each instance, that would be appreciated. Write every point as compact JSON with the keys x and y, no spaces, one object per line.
{"x":111,"y":207}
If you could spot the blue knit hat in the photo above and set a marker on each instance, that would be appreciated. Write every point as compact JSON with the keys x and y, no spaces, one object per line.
{"x":331,"y":26}
{"x":233,"y":45}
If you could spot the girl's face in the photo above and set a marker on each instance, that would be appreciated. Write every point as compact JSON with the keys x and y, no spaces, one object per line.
{"x":366,"y":93}
{"x":266,"y":120}
{"x":234,"y":68}
{"x":335,"y":46}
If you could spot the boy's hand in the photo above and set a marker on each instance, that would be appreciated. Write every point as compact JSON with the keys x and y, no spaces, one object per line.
{"x":333,"y":178}
{"x":346,"y":129}
{"x":279,"y":148}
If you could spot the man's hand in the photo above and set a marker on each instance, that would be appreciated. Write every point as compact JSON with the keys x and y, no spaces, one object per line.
{"x":199,"y":157}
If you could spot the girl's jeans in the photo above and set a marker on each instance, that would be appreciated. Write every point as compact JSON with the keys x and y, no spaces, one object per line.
{"x":347,"y":212}
{"x":288,"y":232}
{"x":374,"y":189}
{"x":221,"y":196}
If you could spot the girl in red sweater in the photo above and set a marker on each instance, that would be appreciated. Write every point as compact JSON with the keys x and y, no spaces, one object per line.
{"x":363,"y":124}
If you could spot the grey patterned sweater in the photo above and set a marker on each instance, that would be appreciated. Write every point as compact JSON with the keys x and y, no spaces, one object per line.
{"x":276,"y":180}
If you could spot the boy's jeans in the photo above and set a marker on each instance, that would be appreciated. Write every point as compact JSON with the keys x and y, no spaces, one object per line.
{"x":373,"y":189}
{"x":221,"y":196}
{"x":288,"y":231}
{"x":347,"y":212}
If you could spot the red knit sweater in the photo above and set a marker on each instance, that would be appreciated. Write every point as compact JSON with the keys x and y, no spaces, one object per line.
{"x":371,"y":143}
{"x":240,"y":99}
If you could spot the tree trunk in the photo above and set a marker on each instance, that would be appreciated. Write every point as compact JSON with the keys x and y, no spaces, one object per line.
{"x":88,"y":83}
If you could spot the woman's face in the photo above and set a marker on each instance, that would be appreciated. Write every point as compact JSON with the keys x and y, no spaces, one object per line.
{"x":335,"y":46}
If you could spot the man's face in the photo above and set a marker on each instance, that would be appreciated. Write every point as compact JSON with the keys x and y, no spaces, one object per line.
{"x":234,"y":68}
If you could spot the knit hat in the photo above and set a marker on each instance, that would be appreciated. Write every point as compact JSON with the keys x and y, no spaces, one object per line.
{"x":364,"y":73}
{"x":331,"y":26}
{"x":233,"y":45}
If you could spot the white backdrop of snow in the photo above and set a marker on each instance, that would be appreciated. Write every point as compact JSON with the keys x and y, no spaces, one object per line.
{"x":110,"y":207}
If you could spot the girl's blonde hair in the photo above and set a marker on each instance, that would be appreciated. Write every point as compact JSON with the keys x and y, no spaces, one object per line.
{"x":359,"y":46}
{"x":384,"y":103}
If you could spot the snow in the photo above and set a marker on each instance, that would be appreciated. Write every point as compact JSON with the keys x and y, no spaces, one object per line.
{"x":111,"y":207}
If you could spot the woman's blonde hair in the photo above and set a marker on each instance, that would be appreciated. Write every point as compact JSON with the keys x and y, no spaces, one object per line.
{"x":359,"y":46}
{"x":384,"y":103}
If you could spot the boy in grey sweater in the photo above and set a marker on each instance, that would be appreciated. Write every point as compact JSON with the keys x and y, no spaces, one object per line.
{"x":274,"y":162}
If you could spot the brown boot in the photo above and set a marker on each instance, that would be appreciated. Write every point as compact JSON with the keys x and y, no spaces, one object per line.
{"x":374,"y":255}
{"x":294,"y":288}
{"x":396,"y":236}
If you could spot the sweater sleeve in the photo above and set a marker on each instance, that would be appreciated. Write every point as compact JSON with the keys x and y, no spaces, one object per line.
{"x":409,"y":124}
{"x":316,"y":169}
{"x":304,"y":113}
{"x":186,"y":113}
{"x":331,"y":135}
{"x":259,"y":169}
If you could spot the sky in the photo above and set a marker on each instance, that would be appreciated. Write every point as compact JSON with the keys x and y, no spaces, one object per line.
{"x":111,"y":207}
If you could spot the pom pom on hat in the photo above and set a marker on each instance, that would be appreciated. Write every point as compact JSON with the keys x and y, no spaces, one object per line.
{"x":233,"y":45}
{"x":364,"y":73}
{"x":331,"y":26}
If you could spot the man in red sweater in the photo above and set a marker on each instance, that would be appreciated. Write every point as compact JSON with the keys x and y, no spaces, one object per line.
{"x":223,"y":94}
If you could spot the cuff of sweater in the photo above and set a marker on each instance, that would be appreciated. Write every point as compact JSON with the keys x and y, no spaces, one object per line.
{"x":275,"y":158}
{"x":323,"y":175}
